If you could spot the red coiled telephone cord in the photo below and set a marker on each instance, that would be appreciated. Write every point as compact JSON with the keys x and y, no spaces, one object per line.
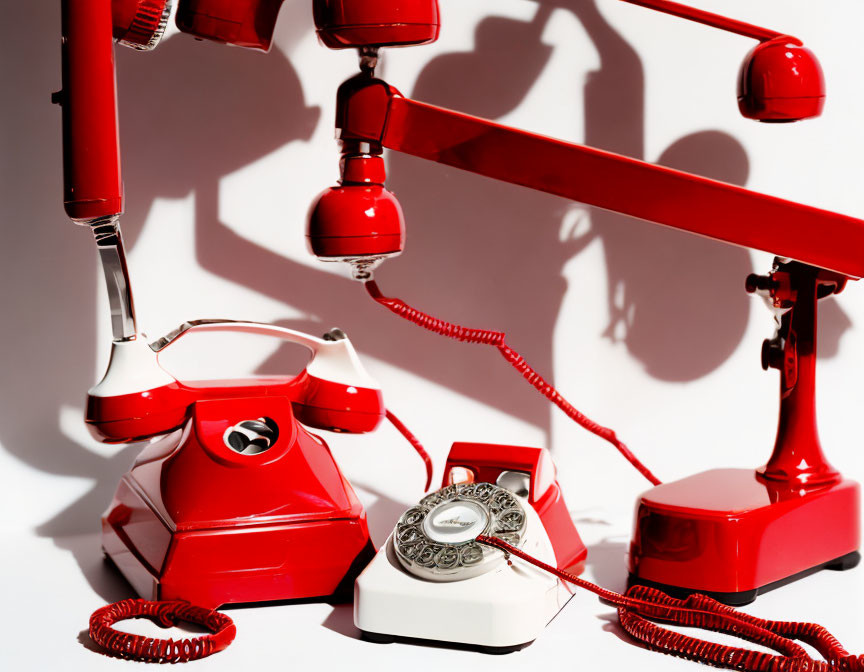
{"x":642,"y":603}
{"x":166,"y":614}
{"x":497,"y":339}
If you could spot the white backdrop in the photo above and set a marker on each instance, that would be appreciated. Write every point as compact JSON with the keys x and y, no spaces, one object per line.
{"x":644,"y":329}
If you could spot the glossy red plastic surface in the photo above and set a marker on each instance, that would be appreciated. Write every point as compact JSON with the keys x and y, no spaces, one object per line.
{"x":707,"y":18}
{"x":197,"y":521}
{"x":321,"y":404}
{"x":137,"y":22}
{"x":244,"y":23}
{"x":797,"y":459}
{"x":734,"y":531}
{"x":369,"y":110}
{"x":324,"y":404}
{"x":358,"y":218}
{"x":91,"y":145}
{"x":487,"y":461}
{"x":781,"y":81}
{"x":730,"y":531}
{"x":344,"y":24}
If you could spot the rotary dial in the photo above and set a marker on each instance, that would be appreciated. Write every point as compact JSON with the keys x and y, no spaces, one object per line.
{"x":436,"y":540}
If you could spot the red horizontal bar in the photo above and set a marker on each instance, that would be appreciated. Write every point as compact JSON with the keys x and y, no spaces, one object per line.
{"x":708,"y":19}
{"x":628,"y":186}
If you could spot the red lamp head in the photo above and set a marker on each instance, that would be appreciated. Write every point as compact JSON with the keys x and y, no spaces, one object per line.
{"x":359,"y":222}
{"x":140,"y":23}
{"x":244,"y":23}
{"x":781,"y":81}
{"x":346,"y":24}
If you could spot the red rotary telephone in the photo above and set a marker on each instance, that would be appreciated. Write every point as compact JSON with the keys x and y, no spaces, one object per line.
{"x":237,"y":502}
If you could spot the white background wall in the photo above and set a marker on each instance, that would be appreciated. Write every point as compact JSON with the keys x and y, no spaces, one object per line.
{"x":644,"y":329}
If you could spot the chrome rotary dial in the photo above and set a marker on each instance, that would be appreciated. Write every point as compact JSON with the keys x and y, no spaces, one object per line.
{"x":436,"y":540}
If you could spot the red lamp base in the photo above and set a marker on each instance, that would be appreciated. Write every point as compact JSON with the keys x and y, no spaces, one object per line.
{"x":732,"y":535}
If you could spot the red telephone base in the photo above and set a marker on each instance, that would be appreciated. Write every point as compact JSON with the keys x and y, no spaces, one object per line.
{"x":745,"y":597}
{"x":201,"y":566}
{"x":732,"y":535}
{"x":196,"y":521}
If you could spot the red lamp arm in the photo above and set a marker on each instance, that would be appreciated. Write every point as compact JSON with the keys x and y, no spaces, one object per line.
{"x":713,"y":20}
{"x":369,"y":110}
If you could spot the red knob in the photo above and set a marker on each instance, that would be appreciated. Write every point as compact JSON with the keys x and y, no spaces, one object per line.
{"x":345,"y":24}
{"x":140,"y":24}
{"x":781,"y":81}
{"x":359,"y":221}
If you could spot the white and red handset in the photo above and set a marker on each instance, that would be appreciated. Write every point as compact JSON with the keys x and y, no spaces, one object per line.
{"x":138,"y":398}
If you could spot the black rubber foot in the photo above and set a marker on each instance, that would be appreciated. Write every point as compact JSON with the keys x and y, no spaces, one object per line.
{"x":744,"y":597}
{"x":849,"y":561}
{"x":379,"y":638}
{"x":732,"y":599}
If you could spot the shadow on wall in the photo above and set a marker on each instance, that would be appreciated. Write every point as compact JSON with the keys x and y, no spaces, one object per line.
{"x":473,"y":243}
{"x":479,"y":252}
{"x":666,"y":288}
{"x":48,"y":298}
{"x":452,"y":272}
{"x":192,"y":112}
{"x":680,"y":307}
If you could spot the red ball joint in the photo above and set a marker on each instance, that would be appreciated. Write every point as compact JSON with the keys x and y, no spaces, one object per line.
{"x":359,"y":222}
{"x":243,"y":23}
{"x":781,"y":81}
{"x":140,"y":24}
{"x":347,"y":24}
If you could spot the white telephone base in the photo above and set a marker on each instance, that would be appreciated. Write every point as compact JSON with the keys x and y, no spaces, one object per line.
{"x":503,"y":609}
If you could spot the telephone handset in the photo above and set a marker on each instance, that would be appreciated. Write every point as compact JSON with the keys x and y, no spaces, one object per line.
{"x":138,"y":399}
{"x":432,"y":580}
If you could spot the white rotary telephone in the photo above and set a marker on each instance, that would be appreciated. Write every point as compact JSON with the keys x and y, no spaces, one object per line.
{"x":432,"y":580}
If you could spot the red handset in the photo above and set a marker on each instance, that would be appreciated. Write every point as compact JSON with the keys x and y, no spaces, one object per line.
{"x":341,"y":24}
{"x":244,"y":23}
{"x":138,"y":399}
{"x":91,"y":145}
{"x":93,"y":188}
{"x":346,"y":24}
